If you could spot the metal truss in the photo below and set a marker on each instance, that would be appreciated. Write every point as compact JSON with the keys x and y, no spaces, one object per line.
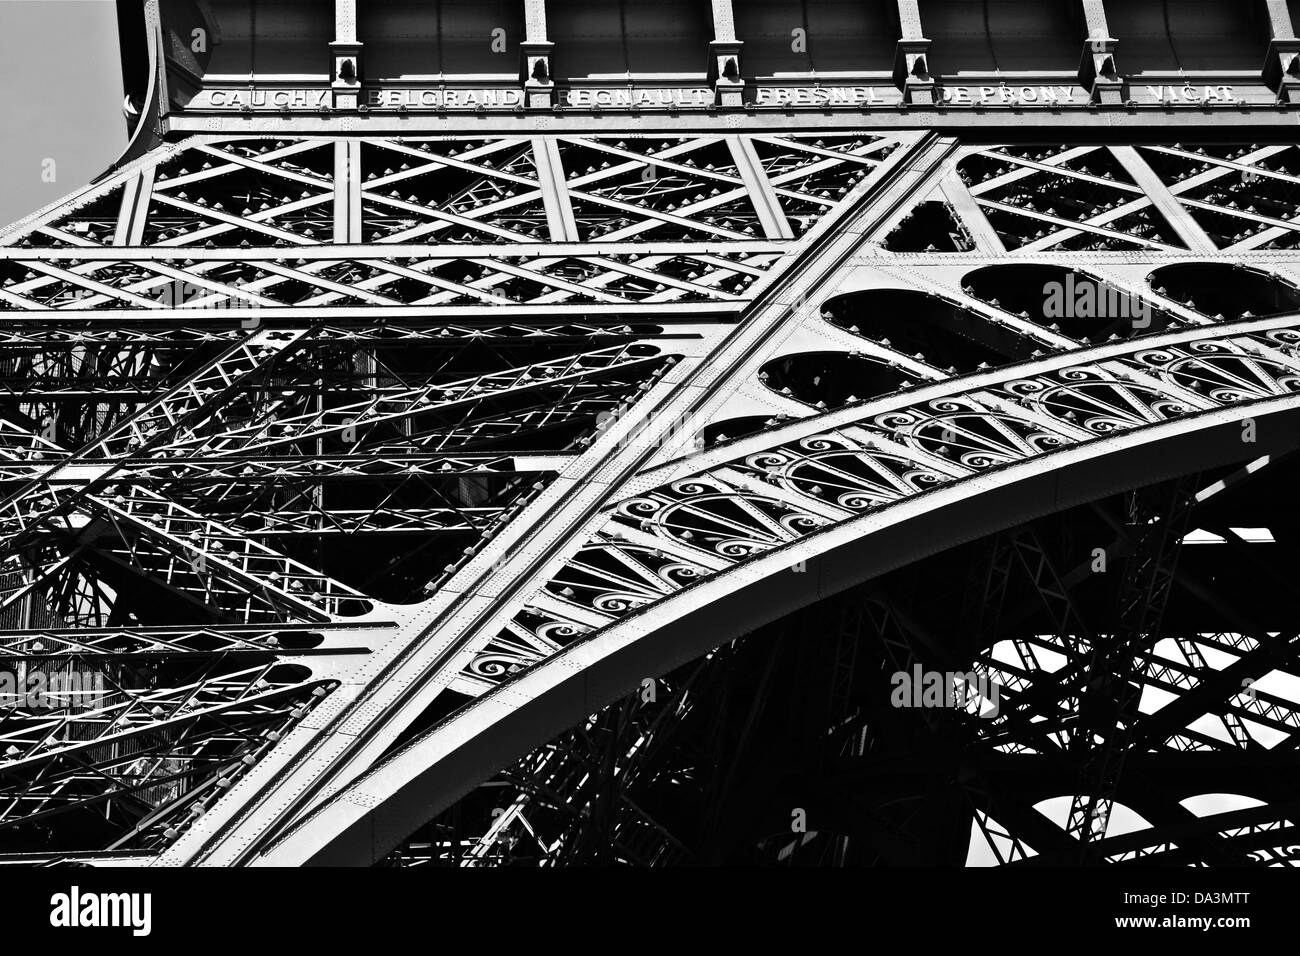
{"x":254,"y":386}
{"x":706,"y":763}
{"x":466,"y":409}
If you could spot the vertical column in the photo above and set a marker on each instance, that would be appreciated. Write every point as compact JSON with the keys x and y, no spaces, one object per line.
{"x":157,"y":46}
{"x":1097,"y":73}
{"x":134,"y":212}
{"x":911,"y":57}
{"x":1282,"y":67}
{"x":126,"y":211}
{"x":535,"y":56}
{"x":347,"y":191}
{"x":345,"y":51}
{"x":724,"y":57}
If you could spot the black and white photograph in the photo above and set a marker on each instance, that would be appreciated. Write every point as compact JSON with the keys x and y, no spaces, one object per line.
{"x":693,"y":436}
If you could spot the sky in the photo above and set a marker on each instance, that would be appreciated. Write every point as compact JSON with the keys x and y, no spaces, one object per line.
{"x":60,"y":100}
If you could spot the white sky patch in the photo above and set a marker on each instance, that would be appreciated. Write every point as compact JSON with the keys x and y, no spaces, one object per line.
{"x":1208,"y":804}
{"x":1122,"y":819}
{"x":1202,"y":537}
{"x":1049,"y":660}
{"x":67,"y":107}
{"x":1210,"y":725}
{"x":1168,"y":649}
{"x":1249,"y":535}
{"x":1279,"y":684}
{"x":1266,"y":737}
{"x":1215,"y":658}
{"x":1004,"y":652}
{"x":1153,"y":698}
{"x":981,"y":854}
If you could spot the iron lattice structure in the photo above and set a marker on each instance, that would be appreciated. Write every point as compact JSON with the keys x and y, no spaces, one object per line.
{"x":355,"y":468}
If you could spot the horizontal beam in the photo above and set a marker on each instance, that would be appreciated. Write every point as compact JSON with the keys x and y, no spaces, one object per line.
{"x":394,"y":251}
{"x":1256,"y":121}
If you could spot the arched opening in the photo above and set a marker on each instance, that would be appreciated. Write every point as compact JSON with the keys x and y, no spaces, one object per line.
{"x":1224,"y":290}
{"x":945,"y":334}
{"x":298,"y":640}
{"x":1068,"y":301}
{"x":956,"y":645}
{"x":287,"y":674}
{"x":833,"y":379}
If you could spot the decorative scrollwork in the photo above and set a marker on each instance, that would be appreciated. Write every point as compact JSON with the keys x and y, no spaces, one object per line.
{"x":710,"y":513}
{"x":616,"y":578}
{"x":1232,"y":378}
{"x":847,"y":477}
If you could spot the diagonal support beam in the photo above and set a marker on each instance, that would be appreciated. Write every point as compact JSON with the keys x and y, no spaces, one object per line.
{"x":555,"y":193}
{"x":759,"y":189}
{"x":1188,"y":229}
{"x":971,"y":215}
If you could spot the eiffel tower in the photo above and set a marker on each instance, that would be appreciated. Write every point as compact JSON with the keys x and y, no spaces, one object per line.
{"x":545,"y":433}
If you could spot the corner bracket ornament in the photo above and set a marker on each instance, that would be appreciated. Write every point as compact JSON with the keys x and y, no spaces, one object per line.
{"x":1282,"y":69}
{"x":535,"y":73}
{"x":1097,"y":72}
{"x":346,"y":73}
{"x":724,"y":73}
{"x":912,"y":71}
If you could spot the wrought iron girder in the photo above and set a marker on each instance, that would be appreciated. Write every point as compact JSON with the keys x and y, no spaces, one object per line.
{"x":32,"y":571}
{"x":230,"y":570}
{"x":1056,"y":420}
{"x":684,"y":522}
{"x":819,"y":472}
{"x":44,"y":499}
{"x":61,"y":336}
{"x":163,"y":750}
{"x":590,"y":277}
{"x":112,"y":494}
{"x":1108,"y":701}
{"x":259,"y":470}
{"x":120,"y":644}
{"x":552,"y":798}
{"x":379,"y":520}
{"x":485,"y":427}
{"x":195,"y":554}
{"x":574,"y":373}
